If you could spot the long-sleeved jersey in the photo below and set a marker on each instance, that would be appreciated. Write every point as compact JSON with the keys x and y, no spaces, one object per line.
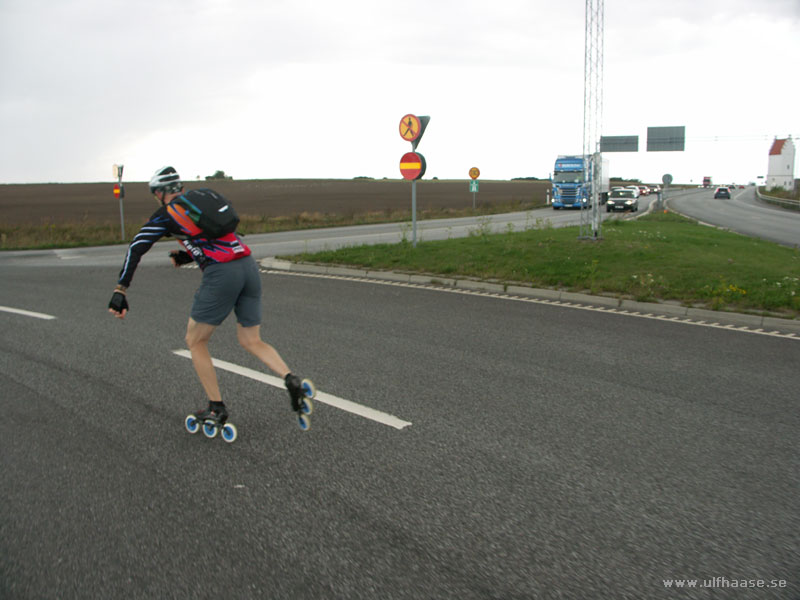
{"x":204,"y":251}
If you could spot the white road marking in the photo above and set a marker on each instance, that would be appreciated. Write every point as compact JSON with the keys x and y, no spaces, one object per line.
{"x":26,"y":313}
{"x":322,"y":397}
{"x":534,"y":300}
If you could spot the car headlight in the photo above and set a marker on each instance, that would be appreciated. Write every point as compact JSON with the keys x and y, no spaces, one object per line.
{"x":628,"y":201}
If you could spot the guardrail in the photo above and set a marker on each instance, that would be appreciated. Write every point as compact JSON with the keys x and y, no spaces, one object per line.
{"x":791,"y":204}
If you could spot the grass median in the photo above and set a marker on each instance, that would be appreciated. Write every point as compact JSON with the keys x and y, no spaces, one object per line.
{"x":659,"y":257}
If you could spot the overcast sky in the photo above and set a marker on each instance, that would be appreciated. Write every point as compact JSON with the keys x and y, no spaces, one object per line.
{"x":314,"y":89}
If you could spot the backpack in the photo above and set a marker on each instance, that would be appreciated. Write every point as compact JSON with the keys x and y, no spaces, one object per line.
{"x":203,"y":212}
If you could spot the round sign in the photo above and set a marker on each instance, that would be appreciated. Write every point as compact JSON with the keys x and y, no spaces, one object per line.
{"x":474,"y":172}
{"x":666,"y":179}
{"x":412,"y":165}
{"x":410,"y":128}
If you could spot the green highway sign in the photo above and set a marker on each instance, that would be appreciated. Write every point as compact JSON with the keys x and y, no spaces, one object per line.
{"x":473,"y":186}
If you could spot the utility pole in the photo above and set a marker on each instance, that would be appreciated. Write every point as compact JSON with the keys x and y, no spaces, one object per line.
{"x":592,"y":114}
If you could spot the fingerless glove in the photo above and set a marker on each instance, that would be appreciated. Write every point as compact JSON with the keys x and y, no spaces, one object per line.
{"x":180,"y":257}
{"x":118,"y":302}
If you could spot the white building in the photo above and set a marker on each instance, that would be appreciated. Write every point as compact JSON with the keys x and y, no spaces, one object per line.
{"x":780,"y":172}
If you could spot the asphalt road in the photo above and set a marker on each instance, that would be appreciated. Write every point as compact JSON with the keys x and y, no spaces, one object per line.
{"x":552,"y":452}
{"x":742,"y":213}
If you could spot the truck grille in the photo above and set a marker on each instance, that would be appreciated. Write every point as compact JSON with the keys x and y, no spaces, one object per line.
{"x":569,"y":196}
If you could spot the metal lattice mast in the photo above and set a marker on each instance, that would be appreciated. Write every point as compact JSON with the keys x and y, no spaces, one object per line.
{"x":592,"y":111}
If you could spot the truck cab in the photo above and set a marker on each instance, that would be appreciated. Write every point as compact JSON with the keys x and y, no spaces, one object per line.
{"x":572,"y":187}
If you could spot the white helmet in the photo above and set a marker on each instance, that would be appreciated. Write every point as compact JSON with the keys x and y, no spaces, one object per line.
{"x":166,"y":179}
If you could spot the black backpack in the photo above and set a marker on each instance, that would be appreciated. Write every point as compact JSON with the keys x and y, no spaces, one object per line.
{"x":203,"y":212}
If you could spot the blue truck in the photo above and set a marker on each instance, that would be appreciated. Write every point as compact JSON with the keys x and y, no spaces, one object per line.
{"x":571,"y":189}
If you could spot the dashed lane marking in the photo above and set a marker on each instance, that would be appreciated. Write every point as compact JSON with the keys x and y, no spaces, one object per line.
{"x":321,"y":397}
{"x":26,"y":313}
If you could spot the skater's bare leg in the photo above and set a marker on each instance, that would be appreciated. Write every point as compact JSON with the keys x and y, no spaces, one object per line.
{"x":197,"y":336}
{"x":250,"y":339}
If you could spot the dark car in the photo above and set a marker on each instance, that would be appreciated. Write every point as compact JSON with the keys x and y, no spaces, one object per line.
{"x":722,"y":192}
{"x":623,"y":199}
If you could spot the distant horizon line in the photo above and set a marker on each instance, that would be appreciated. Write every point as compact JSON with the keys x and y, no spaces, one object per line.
{"x":364,"y":178}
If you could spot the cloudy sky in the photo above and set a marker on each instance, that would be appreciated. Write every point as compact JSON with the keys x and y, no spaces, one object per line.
{"x":311,"y":89}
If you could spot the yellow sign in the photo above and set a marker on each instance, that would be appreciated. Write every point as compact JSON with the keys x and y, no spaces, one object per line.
{"x":474,"y":172}
{"x":410,"y":128}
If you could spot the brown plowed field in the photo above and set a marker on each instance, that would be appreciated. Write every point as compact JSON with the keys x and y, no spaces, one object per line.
{"x":37,"y":204}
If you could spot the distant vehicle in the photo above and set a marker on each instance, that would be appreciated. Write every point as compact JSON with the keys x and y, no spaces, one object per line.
{"x":635,"y":190}
{"x":722,"y":192}
{"x":654,"y":189}
{"x":625,"y":199}
{"x":706,"y":182}
{"x":644,"y":190}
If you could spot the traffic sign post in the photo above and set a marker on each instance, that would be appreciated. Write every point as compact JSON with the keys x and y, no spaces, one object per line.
{"x":412,"y":164}
{"x":474,"y":173}
{"x":119,"y":193}
{"x":662,"y":195}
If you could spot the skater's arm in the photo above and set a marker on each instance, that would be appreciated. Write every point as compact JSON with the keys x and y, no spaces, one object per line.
{"x":156,"y":228}
{"x":149,"y":234}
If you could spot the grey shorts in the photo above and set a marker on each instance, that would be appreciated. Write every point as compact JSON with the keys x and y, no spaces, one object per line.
{"x":234,"y":285}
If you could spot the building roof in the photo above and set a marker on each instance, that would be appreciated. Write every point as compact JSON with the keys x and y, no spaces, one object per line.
{"x":777,"y":147}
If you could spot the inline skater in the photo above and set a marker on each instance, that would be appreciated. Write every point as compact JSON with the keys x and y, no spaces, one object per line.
{"x":231,"y":282}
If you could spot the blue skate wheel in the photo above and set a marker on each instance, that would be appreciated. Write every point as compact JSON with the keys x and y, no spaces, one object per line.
{"x":309,"y":391}
{"x":304,"y":422}
{"x":306,"y":406}
{"x":229,"y":432}
{"x":210,"y":429}
{"x":192,"y":426}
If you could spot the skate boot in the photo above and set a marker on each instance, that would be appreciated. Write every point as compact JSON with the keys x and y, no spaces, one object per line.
{"x":300,"y":393}
{"x":216,"y":411}
{"x":212,"y":419}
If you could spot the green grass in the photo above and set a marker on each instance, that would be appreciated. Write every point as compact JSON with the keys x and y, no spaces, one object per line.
{"x":654,"y":258}
{"x":62,"y":235}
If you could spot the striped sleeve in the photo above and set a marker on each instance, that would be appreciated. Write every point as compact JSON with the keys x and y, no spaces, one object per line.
{"x":156,"y":228}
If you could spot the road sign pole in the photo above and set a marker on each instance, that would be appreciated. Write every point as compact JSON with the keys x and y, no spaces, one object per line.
{"x":662,"y":195}
{"x":414,"y":213}
{"x":412,"y":164}
{"x":474,"y":173}
{"x":121,"y":209}
{"x":121,"y":217}
{"x":118,"y":172}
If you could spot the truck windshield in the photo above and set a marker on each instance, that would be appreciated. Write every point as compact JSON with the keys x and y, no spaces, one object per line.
{"x":571,"y":177}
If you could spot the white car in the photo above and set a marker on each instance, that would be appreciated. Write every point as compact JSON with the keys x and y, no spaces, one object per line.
{"x":635,"y":190}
